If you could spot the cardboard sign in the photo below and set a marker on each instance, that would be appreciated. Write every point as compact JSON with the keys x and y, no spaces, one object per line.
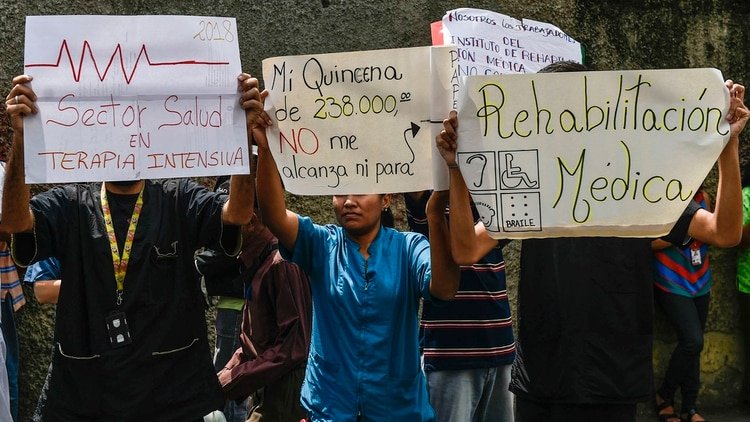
{"x":357,"y":122}
{"x":589,"y":153}
{"x":133,"y":97}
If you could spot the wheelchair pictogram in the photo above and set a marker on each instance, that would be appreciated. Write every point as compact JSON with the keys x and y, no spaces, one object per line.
{"x":519,"y":169}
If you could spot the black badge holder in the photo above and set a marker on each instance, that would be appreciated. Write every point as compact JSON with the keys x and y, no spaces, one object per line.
{"x":117,"y":327}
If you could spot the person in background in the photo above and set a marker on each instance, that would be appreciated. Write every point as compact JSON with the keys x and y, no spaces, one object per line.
{"x":743,"y":280}
{"x":366,"y":282}
{"x":5,"y":400}
{"x":11,"y":300}
{"x":275,"y":335}
{"x":586,"y":304}
{"x":467,"y":343}
{"x":682,"y":287}
{"x":44,"y":275}
{"x":222,"y":277}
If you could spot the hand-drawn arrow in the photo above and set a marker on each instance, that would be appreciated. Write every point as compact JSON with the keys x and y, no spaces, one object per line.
{"x":414,"y":130}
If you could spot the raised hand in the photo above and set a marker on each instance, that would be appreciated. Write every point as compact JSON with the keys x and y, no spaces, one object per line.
{"x":20,"y":102}
{"x":447,"y":139}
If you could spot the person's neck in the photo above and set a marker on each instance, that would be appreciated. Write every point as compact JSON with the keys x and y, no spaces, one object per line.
{"x":364,"y":241}
{"x":124,"y":189}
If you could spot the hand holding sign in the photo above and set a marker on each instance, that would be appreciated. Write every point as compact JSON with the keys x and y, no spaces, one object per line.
{"x":20,"y":102}
{"x":250,"y":98}
{"x":446,"y":140}
{"x":738,"y":112}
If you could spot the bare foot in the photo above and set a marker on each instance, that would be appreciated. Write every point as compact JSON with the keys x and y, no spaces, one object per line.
{"x":665,"y":411}
{"x":696,"y":417}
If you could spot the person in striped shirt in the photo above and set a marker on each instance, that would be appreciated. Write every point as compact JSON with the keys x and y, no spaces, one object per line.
{"x":11,"y":300}
{"x":682,"y":286}
{"x":467,"y":344}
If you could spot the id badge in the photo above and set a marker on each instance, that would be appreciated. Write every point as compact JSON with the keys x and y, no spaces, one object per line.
{"x":117,"y":327}
{"x":695,"y":256}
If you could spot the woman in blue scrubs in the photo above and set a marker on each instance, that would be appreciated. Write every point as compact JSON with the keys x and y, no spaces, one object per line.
{"x":367,"y":282}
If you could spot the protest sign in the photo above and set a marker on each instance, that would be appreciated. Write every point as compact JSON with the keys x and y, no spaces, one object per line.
{"x":493,"y":43}
{"x":490,"y":43}
{"x":133,"y":97}
{"x":356,"y":122}
{"x":589,"y":153}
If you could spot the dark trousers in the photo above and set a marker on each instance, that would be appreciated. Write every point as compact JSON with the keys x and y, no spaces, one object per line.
{"x":744,"y":299}
{"x":279,"y":400}
{"x":228,"y":327}
{"x":688,"y":317}
{"x":533,"y":411}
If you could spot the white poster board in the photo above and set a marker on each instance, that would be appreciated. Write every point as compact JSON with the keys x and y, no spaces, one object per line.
{"x":133,"y":97}
{"x":589,"y":153}
{"x":492,"y":43}
{"x":356,"y":122}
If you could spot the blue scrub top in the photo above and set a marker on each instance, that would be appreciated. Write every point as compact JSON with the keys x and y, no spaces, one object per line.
{"x":364,"y":353}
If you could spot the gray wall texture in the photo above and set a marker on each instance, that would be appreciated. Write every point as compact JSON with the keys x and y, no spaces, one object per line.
{"x":638,"y":34}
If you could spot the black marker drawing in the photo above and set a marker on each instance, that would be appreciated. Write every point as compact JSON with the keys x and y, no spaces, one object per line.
{"x":484,"y":166}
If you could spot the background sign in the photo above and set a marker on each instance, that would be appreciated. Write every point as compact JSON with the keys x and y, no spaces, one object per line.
{"x":492,"y":43}
{"x":132,"y":97}
{"x":589,"y":153}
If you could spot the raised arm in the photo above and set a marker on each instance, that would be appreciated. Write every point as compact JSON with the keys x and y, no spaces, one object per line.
{"x":16,"y":214}
{"x":445,"y":272}
{"x":469,"y":242}
{"x":283,"y":223}
{"x":238,"y":209}
{"x":723,"y":226}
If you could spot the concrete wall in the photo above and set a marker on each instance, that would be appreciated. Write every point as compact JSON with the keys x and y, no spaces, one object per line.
{"x":618,"y":35}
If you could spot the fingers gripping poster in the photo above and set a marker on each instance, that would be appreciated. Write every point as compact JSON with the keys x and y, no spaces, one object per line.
{"x":357,"y":122}
{"x":132,"y":97}
{"x":589,"y":153}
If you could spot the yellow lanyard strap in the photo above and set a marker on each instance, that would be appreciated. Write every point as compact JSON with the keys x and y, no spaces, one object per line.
{"x":120,"y":260}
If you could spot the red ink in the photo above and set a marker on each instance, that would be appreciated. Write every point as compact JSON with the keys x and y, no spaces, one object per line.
{"x":77,"y":160}
{"x":193,"y":159}
{"x":117,"y":53}
{"x":198,"y":114}
{"x":104,"y":114}
{"x":313,"y":144}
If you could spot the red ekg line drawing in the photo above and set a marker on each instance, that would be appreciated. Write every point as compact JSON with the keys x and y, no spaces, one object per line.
{"x":117,"y":53}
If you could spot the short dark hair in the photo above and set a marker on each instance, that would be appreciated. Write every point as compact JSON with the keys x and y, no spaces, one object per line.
{"x":564,"y":66}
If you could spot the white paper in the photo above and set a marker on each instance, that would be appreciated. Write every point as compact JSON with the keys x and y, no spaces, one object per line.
{"x":132,"y":97}
{"x":493,"y":43}
{"x":356,"y":122}
{"x":589,"y":153}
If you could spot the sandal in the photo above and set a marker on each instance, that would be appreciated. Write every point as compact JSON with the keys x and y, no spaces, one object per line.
{"x":666,"y":416}
{"x":688,"y":417}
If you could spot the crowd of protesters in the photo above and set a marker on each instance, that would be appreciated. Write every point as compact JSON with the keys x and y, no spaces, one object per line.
{"x":340,"y":322}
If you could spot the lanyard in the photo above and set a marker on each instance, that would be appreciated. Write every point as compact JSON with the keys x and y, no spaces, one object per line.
{"x":120,"y":260}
